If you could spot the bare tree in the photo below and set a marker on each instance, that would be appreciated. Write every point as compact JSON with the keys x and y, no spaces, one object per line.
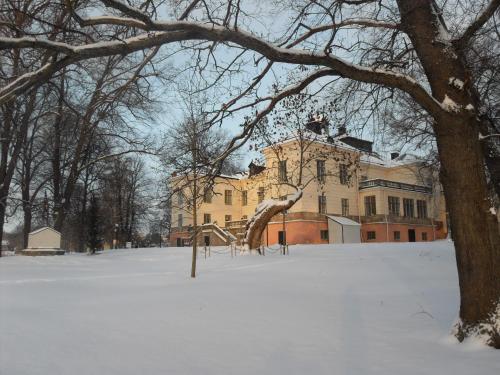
{"x":190,"y":149}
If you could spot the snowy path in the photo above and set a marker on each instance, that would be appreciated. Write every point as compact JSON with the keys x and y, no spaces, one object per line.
{"x":351,"y":309}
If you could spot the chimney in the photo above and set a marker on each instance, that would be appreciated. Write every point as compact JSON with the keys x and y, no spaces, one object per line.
{"x":255,"y":169}
{"x":394,"y":155}
{"x":342,"y":130}
{"x":318,"y":124}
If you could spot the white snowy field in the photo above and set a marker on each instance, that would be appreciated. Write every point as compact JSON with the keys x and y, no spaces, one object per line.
{"x":345,"y":309}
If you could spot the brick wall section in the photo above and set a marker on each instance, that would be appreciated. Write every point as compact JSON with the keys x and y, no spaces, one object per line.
{"x":306,"y":227}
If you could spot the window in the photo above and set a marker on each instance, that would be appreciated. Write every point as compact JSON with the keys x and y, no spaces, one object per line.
{"x":323,"y":234}
{"x":345,"y":206}
{"x":421,"y":209}
{"x":282,"y":176}
{"x":370,"y":206}
{"x":180,"y":198}
{"x":370,"y":235}
{"x":227,"y":218}
{"x":228,"y":197}
{"x":343,"y":174}
{"x":244,"y":217}
{"x":179,"y":220}
{"x":397,"y":235}
{"x":207,"y":196}
{"x":244,"y":197}
{"x":393,"y":206}
{"x":320,"y":170}
{"x":283,"y":197}
{"x":260,"y":195}
{"x":408,"y":207}
{"x":322,"y":204}
{"x":424,"y":236}
{"x":207,"y":218}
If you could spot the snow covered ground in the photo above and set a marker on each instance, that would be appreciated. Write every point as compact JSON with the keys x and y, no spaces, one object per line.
{"x":351,"y":309}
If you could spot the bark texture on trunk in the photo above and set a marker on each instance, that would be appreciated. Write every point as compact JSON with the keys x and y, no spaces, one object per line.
{"x":475,"y":230}
{"x":2,"y":219}
{"x":27,"y":216}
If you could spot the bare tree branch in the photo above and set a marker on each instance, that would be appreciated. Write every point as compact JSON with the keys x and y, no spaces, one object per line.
{"x":474,"y":27}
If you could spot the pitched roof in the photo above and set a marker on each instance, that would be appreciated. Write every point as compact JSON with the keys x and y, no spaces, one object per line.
{"x":44,"y":228}
{"x":343,"y":220}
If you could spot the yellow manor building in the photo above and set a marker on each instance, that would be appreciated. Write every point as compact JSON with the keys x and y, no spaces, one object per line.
{"x":350,"y":194}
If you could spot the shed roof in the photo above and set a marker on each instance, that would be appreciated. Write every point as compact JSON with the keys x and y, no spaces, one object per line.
{"x":44,"y":228}
{"x":343,"y":220}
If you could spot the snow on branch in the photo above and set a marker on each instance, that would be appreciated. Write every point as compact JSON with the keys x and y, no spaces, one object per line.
{"x":128,"y":10}
{"x":163,"y":32}
{"x":449,"y":105}
{"x":263,"y":213}
{"x":159,"y":33}
{"x":367,"y":22}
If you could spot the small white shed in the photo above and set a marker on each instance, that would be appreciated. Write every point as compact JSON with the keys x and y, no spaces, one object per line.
{"x":343,"y":230}
{"x":44,"y":241}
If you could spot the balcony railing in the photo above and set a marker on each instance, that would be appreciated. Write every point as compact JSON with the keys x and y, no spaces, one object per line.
{"x":394,"y":185}
{"x":235,"y":224}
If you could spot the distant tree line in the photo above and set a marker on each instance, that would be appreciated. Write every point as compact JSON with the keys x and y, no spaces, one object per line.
{"x":74,"y":137}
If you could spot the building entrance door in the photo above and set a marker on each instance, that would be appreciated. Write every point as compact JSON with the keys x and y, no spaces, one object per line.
{"x":179,"y":242}
{"x":281,"y":237}
{"x":411,"y":235}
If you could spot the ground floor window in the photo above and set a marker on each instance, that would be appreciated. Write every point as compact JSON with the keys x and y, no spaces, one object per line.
{"x":424,"y":236}
{"x":370,"y":235}
{"x":397,"y":235}
{"x":324,"y":234}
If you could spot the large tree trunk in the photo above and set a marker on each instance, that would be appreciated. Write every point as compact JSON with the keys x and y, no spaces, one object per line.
{"x":475,"y":230}
{"x":27,"y":216}
{"x":3,"y":209}
{"x":491,"y":153}
{"x":263,"y":214}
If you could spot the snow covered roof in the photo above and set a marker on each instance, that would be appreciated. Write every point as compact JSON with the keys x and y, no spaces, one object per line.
{"x":404,"y":159}
{"x":43,"y":229}
{"x":236,"y":176}
{"x":319,"y":139}
{"x":343,"y":220}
